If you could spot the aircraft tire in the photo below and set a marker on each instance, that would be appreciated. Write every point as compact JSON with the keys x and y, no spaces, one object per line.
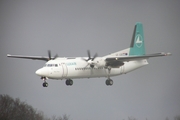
{"x":109,"y":82}
{"x":69,"y":82}
{"x":45,"y":84}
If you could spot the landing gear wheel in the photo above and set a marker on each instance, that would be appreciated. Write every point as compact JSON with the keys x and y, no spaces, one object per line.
{"x":69,"y":82}
{"x":109,"y":82}
{"x":45,"y":84}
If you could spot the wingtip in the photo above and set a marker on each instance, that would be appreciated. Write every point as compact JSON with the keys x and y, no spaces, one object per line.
{"x":8,"y":55}
{"x":168,"y":54}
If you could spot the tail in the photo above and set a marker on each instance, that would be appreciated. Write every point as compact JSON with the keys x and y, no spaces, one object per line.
{"x":137,"y":44}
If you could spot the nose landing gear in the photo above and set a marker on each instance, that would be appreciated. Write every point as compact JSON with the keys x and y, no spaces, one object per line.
{"x":45,"y":84}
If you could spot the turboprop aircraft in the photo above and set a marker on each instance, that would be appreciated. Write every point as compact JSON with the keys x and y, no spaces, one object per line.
{"x":114,"y":64}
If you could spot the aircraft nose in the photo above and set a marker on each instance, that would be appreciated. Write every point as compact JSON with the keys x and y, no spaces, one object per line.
{"x":38,"y":72}
{"x":42,"y":72}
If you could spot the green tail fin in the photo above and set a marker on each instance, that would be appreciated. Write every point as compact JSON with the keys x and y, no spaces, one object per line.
{"x":137,"y":44}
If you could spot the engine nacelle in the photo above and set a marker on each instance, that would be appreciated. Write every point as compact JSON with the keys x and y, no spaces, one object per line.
{"x":100,"y":62}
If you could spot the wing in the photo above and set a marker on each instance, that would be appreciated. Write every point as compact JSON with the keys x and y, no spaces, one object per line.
{"x":29,"y":57}
{"x":116,"y":61}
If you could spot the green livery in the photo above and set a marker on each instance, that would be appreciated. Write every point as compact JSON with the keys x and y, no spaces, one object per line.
{"x":137,"y":44}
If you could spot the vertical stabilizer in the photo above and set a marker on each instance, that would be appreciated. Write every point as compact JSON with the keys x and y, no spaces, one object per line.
{"x":137,"y":44}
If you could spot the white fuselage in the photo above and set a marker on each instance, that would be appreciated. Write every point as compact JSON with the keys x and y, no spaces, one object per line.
{"x":120,"y":62}
{"x":72,"y":68}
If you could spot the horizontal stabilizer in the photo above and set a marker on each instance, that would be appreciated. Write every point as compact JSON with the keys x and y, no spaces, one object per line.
{"x":133,"y":58}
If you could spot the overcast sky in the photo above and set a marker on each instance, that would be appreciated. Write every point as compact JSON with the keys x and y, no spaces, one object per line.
{"x":70,"y":28}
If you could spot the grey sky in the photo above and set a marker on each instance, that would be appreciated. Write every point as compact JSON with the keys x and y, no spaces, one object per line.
{"x":71,"y":27}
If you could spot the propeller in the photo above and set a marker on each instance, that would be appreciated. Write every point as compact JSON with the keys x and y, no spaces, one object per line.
{"x":90,"y":59}
{"x":89,"y":56}
{"x":49,"y":55}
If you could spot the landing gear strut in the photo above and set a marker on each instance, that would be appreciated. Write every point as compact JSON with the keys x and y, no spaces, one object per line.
{"x":69,"y":82}
{"x":45,"y":84}
{"x":109,"y":81}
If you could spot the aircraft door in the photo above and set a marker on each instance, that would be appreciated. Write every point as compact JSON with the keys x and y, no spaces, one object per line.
{"x":51,"y":71}
{"x":64,"y":70}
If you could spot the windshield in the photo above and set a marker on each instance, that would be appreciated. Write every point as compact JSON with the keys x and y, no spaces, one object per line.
{"x":51,"y":65}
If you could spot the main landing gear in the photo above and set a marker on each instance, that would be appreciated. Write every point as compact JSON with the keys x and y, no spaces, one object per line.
{"x":109,"y":82}
{"x":69,"y":82}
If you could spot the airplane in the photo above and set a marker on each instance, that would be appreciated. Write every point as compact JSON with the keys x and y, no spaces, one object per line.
{"x":118,"y":63}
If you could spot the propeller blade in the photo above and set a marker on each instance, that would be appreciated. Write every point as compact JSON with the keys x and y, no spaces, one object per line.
{"x":89,"y":55}
{"x":94,"y":56}
{"x":90,"y":59}
{"x":86,"y":65}
{"x":84,"y":59}
{"x":55,"y":56}
{"x":49,"y":54}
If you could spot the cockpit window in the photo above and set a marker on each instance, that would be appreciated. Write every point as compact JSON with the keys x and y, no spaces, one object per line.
{"x":51,"y":65}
